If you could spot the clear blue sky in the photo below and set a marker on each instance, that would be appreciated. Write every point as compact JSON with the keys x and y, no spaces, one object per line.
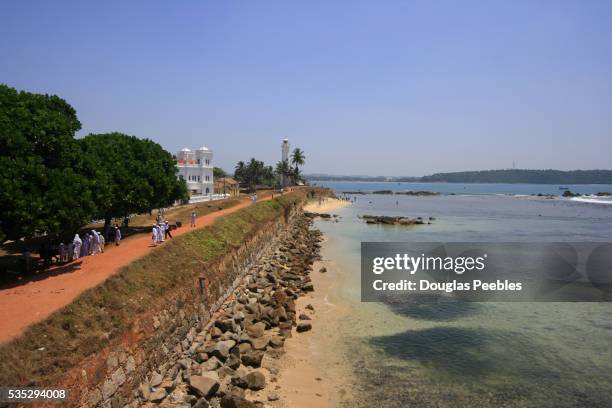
{"x":364,"y":87}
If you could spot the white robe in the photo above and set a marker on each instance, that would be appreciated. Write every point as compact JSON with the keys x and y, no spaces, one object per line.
{"x":77,"y":242}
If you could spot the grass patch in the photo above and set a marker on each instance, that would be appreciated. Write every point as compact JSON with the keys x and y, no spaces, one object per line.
{"x":48,"y":349}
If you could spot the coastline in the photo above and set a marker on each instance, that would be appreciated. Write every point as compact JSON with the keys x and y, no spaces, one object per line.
{"x":313,"y":370}
{"x":326,"y":206}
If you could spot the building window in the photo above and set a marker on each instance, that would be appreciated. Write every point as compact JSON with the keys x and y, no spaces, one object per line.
{"x":207,"y":190}
{"x":207,"y":162}
{"x":207,"y":178}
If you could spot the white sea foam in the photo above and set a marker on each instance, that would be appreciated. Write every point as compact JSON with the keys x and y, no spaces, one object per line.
{"x":592,"y":200}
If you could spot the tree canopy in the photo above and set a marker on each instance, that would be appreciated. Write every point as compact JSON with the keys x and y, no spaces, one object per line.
{"x":218,"y":173}
{"x":132,"y":175}
{"x":254,"y":173}
{"x":41,"y":188}
{"x":52,"y":183}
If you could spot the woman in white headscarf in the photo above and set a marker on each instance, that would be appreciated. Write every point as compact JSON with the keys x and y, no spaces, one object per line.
{"x":95,"y":242}
{"x":77,"y":243}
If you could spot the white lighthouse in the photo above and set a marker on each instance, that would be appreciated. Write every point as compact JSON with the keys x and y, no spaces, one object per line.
{"x":285,"y":157}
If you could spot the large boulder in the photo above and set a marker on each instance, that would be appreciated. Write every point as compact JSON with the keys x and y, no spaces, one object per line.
{"x":234,"y":401}
{"x":204,"y":385}
{"x":260,"y":343}
{"x":222,"y":349}
{"x":211,"y":364}
{"x":256,"y":330}
{"x":252,"y":358}
{"x":255,"y":380}
{"x":303,"y":327}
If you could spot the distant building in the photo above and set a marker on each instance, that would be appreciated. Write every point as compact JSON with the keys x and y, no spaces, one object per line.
{"x":196,"y":168}
{"x":227,"y":185}
{"x":284,"y":157}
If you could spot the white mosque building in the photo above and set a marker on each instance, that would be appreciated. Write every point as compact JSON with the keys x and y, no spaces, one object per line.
{"x":196,"y":168}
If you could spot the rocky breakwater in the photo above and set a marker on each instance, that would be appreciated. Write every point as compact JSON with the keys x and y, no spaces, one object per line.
{"x":230,"y":362}
{"x":392,"y":220}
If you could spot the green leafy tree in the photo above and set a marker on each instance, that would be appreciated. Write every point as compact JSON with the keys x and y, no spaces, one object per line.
{"x":254,"y":173}
{"x":218,"y":173}
{"x":132,"y":175}
{"x":41,"y":188}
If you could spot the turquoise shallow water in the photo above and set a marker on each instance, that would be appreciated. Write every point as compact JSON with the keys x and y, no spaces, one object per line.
{"x":446,"y":353}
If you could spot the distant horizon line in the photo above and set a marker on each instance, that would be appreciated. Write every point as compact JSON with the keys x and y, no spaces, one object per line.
{"x":316,"y":174}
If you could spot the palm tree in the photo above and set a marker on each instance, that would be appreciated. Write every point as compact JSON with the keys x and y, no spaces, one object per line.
{"x":283,"y":170}
{"x":298,"y":158}
{"x":239,"y":171}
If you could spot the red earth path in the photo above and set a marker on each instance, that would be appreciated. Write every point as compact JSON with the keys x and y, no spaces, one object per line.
{"x":31,"y":302}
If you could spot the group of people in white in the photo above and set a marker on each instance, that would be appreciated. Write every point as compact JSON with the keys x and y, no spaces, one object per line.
{"x":91,"y":243}
{"x":160,"y":232}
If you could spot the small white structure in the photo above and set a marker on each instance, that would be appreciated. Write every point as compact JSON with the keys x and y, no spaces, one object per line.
{"x":196,"y":168}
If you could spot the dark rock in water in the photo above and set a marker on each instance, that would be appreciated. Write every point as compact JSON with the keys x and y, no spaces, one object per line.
{"x":383,"y":192}
{"x":203,"y":386}
{"x":568,"y":193}
{"x":304,"y":316}
{"x":419,"y":193}
{"x":308,"y":288}
{"x":314,"y":215}
{"x":310,"y":307}
{"x":391,"y":220}
{"x":273,"y":396}
{"x":234,"y":401}
{"x":303,"y":327}
{"x":323,"y":270}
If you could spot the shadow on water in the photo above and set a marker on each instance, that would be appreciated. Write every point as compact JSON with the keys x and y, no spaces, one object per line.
{"x":452,"y":350}
{"x":432,"y":307}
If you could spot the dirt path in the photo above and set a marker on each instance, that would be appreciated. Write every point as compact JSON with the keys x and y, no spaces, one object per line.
{"x":23,"y":305}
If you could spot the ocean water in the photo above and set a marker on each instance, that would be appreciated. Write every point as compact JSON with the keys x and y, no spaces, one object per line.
{"x":447,"y":353}
{"x":467,"y":188}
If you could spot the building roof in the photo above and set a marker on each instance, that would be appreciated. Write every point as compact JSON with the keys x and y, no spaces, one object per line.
{"x":203,"y":148}
{"x":228,"y":181}
{"x":185,"y":150}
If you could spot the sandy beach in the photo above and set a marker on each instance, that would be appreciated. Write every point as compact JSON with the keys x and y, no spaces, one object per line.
{"x":327,"y":205}
{"x":312,"y":372}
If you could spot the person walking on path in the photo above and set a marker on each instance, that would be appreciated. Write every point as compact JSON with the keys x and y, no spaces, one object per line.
{"x":160,"y":232}
{"x":167,"y":229}
{"x":95,"y":242}
{"x":154,"y":235}
{"x":117,"y":235}
{"x":77,"y":243}
{"x":193,"y":218}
